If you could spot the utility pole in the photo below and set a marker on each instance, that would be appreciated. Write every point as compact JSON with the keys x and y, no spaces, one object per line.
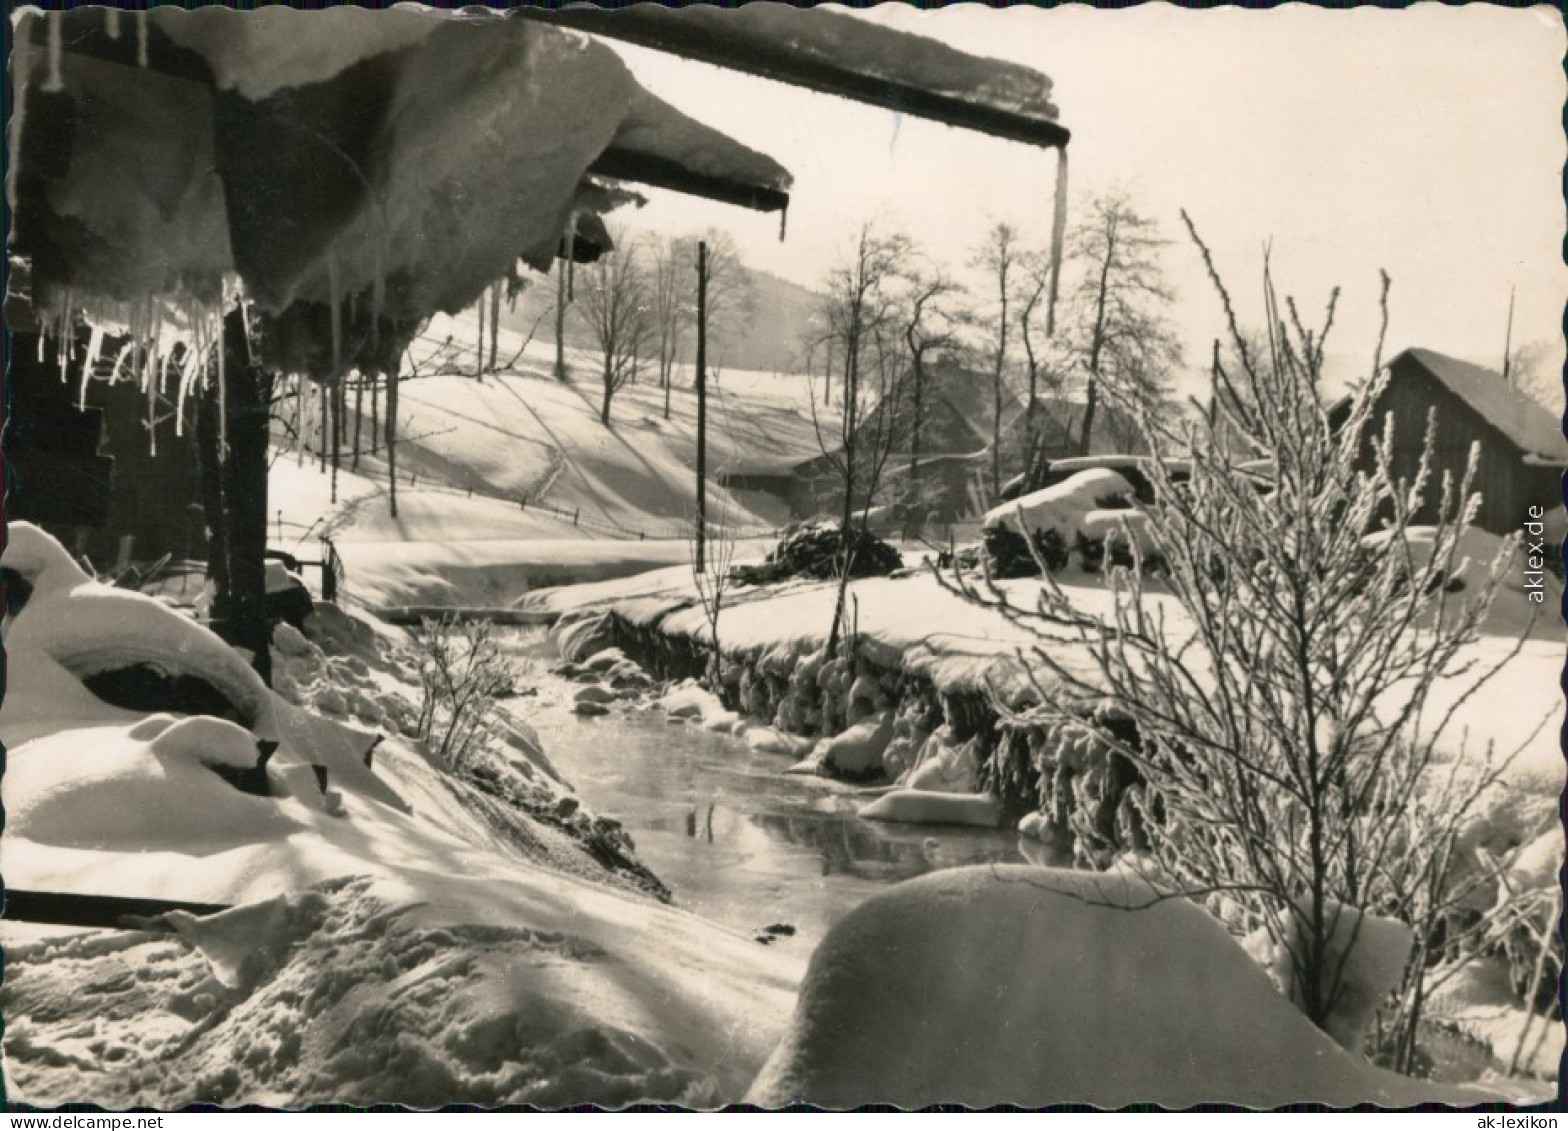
{"x":702,"y":400}
{"x":1508,"y":338}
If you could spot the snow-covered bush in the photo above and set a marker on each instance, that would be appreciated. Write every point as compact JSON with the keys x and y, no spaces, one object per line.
{"x":1285,"y":727}
{"x":463,"y":670}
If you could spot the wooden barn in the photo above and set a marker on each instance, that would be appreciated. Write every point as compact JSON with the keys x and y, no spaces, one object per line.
{"x":1523,"y":452}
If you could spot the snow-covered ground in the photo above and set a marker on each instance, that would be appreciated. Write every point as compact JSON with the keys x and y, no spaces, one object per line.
{"x":512,"y":483}
{"x":399,"y":935}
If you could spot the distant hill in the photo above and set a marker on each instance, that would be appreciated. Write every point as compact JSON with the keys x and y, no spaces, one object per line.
{"x":768,"y":339}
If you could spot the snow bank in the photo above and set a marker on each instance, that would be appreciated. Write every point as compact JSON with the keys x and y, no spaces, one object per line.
{"x":73,"y":627}
{"x":1030,"y":986}
{"x":422,"y":990}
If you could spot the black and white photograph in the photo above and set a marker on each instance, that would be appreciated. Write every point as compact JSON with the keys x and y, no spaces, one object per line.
{"x":596,"y":557}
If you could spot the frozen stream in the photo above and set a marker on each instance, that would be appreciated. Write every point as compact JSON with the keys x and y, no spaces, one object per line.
{"x":734,"y":838}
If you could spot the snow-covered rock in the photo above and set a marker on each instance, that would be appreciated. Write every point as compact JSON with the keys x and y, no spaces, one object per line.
{"x":1032,"y":986}
{"x":690,"y":700}
{"x":857,"y":751}
{"x":582,"y":637}
{"x":945,"y":764}
{"x":927,"y":807}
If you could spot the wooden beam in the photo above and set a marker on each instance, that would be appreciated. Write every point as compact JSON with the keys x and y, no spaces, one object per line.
{"x":74,"y":909}
{"x":724,"y":39}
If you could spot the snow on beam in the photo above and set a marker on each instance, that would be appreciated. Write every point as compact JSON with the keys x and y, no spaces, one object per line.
{"x":840,"y":55}
{"x":667,"y":173}
{"x":658,"y":145}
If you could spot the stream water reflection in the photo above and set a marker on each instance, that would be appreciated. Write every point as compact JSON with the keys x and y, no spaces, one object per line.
{"x":733,"y":837}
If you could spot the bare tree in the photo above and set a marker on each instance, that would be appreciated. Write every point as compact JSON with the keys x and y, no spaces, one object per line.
{"x":1117,"y":310}
{"x":1286,"y":725}
{"x":930,"y":325}
{"x":671,"y":306}
{"x":860,"y":314}
{"x":1535,"y":369}
{"x":1044,"y":365}
{"x":997,"y":256}
{"x":615,"y":304}
{"x":729,"y":290}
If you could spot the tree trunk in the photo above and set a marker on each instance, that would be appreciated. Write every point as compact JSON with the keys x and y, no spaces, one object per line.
{"x":299,"y":421}
{"x":337,"y":434}
{"x":392,"y":375}
{"x":359,"y":419}
{"x":560,"y":320}
{"x":326,"y":418}
{"x":249,"y":396}
{"x":609,"y":391}
{"x":916,"y":422}
{"x":850,"y":391}
{"x":1096,"y":347}
{"x":495,"y":322}
{"x":375,"y":415}
{"x":479,"y":354}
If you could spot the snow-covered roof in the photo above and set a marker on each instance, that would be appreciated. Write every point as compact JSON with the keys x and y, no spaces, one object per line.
{"x":352,"y":169}
{"x":1521,"y":420}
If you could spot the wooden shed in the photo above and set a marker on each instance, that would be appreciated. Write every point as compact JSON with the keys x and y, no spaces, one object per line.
{"x":1522,"y":449}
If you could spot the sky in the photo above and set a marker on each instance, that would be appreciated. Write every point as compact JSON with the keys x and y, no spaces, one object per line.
{"x":1426,"y":141}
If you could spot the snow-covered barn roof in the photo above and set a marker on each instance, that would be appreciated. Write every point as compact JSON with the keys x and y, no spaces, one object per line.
{"x":1523,"y":422}
{"x":837,"y":54}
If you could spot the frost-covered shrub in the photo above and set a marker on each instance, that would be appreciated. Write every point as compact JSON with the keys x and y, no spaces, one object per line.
{"x":1286,"y":725}
{"x":463,"y":670}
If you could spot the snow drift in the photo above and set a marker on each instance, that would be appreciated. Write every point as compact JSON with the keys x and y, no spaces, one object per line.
{"x":1031,"y":986}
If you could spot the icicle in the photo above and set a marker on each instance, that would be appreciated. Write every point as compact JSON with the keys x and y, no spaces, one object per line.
{"x":94,"y":347}
{"x":55,"y":82}
{"x":62,"y":338}
{"x":1058,"y":237}
{"x":188,"y":371}
{"x":783,"y":221}
{"x":111,"y":22}
{"x":141,"y":38}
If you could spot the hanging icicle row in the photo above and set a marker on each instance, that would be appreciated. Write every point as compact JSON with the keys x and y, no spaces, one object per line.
{"x":1058,"y":238}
